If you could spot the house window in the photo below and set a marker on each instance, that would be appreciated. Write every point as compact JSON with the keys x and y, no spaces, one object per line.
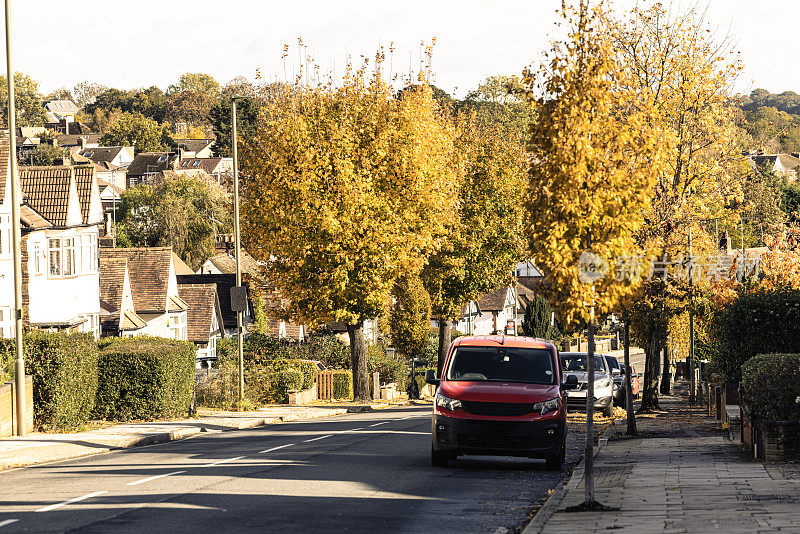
{"x":177,"y":326}
{"x":54,"y":254}
{"x":38,"y":267}
{"x":69,"y":256}
{"x":212,"y":347}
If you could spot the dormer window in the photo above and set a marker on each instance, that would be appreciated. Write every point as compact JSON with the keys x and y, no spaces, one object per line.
{"x":162,"y":158}
{"x":89,"y":154}
{"x":196,"y":163}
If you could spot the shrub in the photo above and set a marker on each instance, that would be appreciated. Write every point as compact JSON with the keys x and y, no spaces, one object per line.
{"x":771,"y":383}
{"x":342,"y":384}
{"x":285,"y":381}
{"x":764,"y":321}
{"x":64,"y":371}
{"x":145,"y":378}
{"x":391,"y":369}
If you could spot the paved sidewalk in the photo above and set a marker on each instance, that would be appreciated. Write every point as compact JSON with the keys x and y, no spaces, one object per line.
{"x":38,"y":447}
{"x":681,"y":475}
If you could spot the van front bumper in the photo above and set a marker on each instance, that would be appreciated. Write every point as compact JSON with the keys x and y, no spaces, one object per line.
{"x":535,"y":439}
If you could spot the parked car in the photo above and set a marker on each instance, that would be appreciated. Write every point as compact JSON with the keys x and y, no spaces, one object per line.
{"x":575,"y":364}
{"x":634,"y":380}
{"x":500,"y":395}
{"x":617,"y":379}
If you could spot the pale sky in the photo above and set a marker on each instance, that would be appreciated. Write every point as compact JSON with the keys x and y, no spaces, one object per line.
{"x":151,"y":42}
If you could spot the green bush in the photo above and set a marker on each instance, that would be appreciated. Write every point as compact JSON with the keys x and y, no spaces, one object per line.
{"x":391,"y":369}
{"x":64,"y":371}
{"x":755,"y":323}
{"x":145,"y":378}
{"x":342,"y":384}
{"x":286,"y":380}
{"x":771,"y":383}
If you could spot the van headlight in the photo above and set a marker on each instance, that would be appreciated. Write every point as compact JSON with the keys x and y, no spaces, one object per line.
{"x":447,"y":403}
{"x":602,"y":383}
{"x":546,"y":406}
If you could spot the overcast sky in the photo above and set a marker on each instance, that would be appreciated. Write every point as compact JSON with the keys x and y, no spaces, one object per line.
{"x":151,"y":42}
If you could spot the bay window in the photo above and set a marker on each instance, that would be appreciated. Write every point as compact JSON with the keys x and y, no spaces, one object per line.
{"x":54,"y":255}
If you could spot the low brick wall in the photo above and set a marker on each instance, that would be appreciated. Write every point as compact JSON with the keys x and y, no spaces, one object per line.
{"x":303,"y":397}
{"x":8,"y":425}
{"x":781,"y":440}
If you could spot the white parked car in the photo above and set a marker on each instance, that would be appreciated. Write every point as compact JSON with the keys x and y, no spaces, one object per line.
{"x":575,"y":363}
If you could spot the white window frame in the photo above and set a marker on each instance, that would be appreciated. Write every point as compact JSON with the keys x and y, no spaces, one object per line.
{"x":37,"y":259}
{"x":68,"y":265}
{"x":176,"y":323}
{"x":57,"y":250}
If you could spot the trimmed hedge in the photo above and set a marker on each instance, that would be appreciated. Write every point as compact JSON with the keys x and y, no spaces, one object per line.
{"x":145,"y":378}
{"x":760,"y":322}
{"x":64,"y":371}
{"x":771,"y":383}
{"x":342,"y":384}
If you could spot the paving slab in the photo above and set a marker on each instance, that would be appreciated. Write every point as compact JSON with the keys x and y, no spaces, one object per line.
{"x":681,"y":475}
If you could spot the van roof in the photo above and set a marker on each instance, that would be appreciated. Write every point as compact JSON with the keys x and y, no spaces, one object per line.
{"x":506,"y":341}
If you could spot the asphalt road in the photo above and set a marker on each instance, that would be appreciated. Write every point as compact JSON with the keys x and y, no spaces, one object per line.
{"x":356,"y":473}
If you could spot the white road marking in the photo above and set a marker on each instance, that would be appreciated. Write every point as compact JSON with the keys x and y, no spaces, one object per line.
{"x":350,"y":430}
{"x":223,"y":461}
{"x":76,"y":499}
{"x":148,"y":479}
{"x":381,"y":423}
{"x":276,"y":448}
{"x":7,"y":522}
{"x":315,"y":439}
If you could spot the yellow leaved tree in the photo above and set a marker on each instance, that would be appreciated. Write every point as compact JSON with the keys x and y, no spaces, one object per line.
{"x":593,"y":156}
{"x":346,"y":187}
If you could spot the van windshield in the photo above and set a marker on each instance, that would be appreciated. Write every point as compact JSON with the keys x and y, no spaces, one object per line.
{"x":501,"y":364}
{"x":578,"y":362}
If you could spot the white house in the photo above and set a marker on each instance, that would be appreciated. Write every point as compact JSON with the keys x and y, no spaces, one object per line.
{"x":154,"y":289}
{"x":61,"y":216}
{"x":492,"y":310}
{"x":196,"y":148}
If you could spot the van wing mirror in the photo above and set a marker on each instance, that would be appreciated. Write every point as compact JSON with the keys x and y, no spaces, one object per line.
{"x":430,"y":377}
{"x":571,"y":382}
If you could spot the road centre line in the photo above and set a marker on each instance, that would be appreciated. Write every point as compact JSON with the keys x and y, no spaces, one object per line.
{"x":315,"y":439}
{"x":148,"y":479}
{"x":223,"y":461}
{"x":381,"y":423}
{"x":70,"y":501}
{"x":276,"y":448}
{"x":7,"y":522}
{"x":350,"y":430}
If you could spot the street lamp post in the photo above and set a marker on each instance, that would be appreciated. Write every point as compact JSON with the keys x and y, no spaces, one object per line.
{"x":237,"y":248}
{"x":15,"y":235}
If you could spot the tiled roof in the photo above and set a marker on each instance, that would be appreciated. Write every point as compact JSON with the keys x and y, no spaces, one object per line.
{"x":151,"y":162}
{"x":84,"y":176}
{"x":202,"y":300}
{"x":493,"y":300}
{"x":74,"y":139}
{"x":102,"y":154}
{"x":180,"y":265}
{"x":31,"y":219}
{"x":46,"y":190}
{"x":102,"y":184}
{"x":226,"y":262}
{"x":195,"y":145}
{"x":112,"y":277}
{"x":207,"y":164}
{"x":224,"y":283}
{"x":148,"y":269}
{"x":62,"y":106}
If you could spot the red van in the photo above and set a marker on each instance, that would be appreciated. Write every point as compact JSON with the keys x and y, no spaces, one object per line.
{"x":500,"y":395}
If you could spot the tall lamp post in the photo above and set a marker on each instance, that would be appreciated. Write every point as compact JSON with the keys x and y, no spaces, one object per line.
{"x":237,"y":248}
{"x":15,"y":236}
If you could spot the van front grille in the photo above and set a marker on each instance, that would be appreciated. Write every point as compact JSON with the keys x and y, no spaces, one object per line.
{"x":507,"y":409}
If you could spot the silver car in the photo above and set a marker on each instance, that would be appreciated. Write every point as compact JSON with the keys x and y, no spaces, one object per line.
{"x":575,"y":363}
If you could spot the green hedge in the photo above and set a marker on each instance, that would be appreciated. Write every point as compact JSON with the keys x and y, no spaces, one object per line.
{"x":771,"y":383}
{"x":342,"y":384}
{"x":755,"y":323}
{"x":145,"y":378}
{"x":64,"y":371}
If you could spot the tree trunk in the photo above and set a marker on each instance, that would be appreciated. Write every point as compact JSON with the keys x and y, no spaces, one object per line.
{"x":666,"y":377}
{"x":588,"y":455}
{"x":444,"y":344}
{"x":651,"y":364}
{"x":358,"y":361}
{"x":628,"y":388}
